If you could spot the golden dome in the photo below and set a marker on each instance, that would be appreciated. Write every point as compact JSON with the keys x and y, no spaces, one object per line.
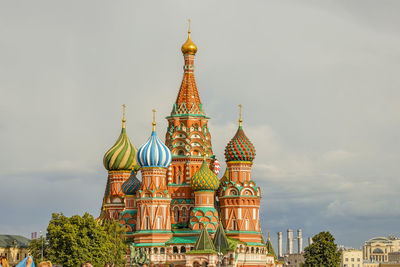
{"x":189,"y":47}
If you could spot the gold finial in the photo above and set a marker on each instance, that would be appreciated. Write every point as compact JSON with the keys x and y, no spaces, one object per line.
{"x":154,"y":120}
{"x":240,"y":115}
{"x":189,"y":47}
{"x":204,"y":156}
{"x":269,"y":236}
{"x":123,"y":115}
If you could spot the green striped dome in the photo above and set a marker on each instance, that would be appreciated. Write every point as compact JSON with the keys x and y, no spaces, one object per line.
{"x":204,"y":179}
{"x":122,"y":156}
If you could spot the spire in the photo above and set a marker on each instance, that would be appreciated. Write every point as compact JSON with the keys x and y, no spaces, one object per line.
{"x":204,"y":242}
{"x":270,"y":248}
{"x":188,"y":99}
{"x":154,"y":120}
{"x":220,"y":240}
{"x":123,"y":115}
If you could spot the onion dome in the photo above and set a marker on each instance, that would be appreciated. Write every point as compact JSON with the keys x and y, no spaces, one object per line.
{"x":121,"y":157}
{"x":204,"y":179}
{"x":154,"y":153}
{"x":130,"y":186}
{"x":240,"y":148}
{"x":189,"y":47}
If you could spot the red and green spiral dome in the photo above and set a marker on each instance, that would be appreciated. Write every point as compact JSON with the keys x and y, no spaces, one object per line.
{"x":240,"y":148}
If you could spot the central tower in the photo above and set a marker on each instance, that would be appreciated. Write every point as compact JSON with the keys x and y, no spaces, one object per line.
{"x":188,"y":138}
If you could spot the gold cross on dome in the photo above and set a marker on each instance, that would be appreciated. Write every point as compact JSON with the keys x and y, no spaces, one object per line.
{"x":154,"y":119}
{"x":123,"y":115}
{"x":240,"y":115}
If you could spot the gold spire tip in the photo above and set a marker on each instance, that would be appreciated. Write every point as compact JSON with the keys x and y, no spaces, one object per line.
{"x":240,"y":115}
{"x":123,"y":115}
{"x":154,"y":120}
{"x":189,"y":32}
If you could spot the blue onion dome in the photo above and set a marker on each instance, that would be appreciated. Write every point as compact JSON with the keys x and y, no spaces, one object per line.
{"x":154,"y":153}
{"x":130,"y":186}
{"x":122,"y":156}
{"x":204,"y":179}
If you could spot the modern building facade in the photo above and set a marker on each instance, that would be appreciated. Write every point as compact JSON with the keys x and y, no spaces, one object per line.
{"x":181,"y":213}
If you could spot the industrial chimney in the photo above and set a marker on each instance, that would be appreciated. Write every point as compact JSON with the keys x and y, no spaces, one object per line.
{"x":289,"y":247}
{"x":280,"y":236}
{"x":299,"y":241}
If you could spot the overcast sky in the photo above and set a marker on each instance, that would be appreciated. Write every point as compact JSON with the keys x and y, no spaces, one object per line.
{"x":318,"y":80}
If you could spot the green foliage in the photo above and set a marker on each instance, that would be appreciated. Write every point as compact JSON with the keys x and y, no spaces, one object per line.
{"x":35,"y":248}
{"x":71,"y":241}
{"x":322,"y":252}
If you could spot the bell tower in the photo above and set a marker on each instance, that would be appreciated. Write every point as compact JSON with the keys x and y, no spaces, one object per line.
{"x":153,"y":200}
{"x":187,"y":137}
{"x":238,"y":194}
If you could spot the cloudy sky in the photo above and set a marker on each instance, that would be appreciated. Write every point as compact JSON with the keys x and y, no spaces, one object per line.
{"x":319,"y":82}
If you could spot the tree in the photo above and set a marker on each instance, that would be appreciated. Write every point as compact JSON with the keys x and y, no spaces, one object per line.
{"x":322,"y":252}
{"x":71,"y":241}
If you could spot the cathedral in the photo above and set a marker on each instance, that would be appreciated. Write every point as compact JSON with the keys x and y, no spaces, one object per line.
{"x":181,"y":213}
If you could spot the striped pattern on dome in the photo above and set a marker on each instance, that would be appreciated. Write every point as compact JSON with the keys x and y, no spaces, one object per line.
{"x":154,"y":153}
{"x":122,"y":156}
{"x":204,"y":179}
{"x":130,"y":186}
{"x":240,"y":148}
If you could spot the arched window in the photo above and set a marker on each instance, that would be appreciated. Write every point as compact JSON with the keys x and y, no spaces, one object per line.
{"x":196,"y":264}
{"x":184,"y":214}
{"x":183,"y":249}
{"x":176,"y":214}
{"x":234,"y":225}
{"x":162,"y":250}
{"x":158,"y":222}
{"x":155,"y":250}
{"x":147,"y":223}
{"x":205,"y":264}
{"x":175,"y":250}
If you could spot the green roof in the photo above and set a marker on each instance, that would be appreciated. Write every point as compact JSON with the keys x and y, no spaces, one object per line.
{"x":220,"y":240}
{"x":255,"y":244}
{"x":204,"y":251}
{"x":7,"y":241}
{"x":182,"y":240}
{"x":270,"y":248}
{"x":233,"y":242}
{"x":204,"y":243}
{"x":149,"y":244}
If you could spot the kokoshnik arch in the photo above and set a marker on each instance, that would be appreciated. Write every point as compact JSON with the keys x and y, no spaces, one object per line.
{"x":181,"y":212}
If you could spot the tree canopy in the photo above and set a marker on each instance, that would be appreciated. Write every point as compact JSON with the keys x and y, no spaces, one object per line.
{"x":71,"y":241}
{"x":322,"y":252}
